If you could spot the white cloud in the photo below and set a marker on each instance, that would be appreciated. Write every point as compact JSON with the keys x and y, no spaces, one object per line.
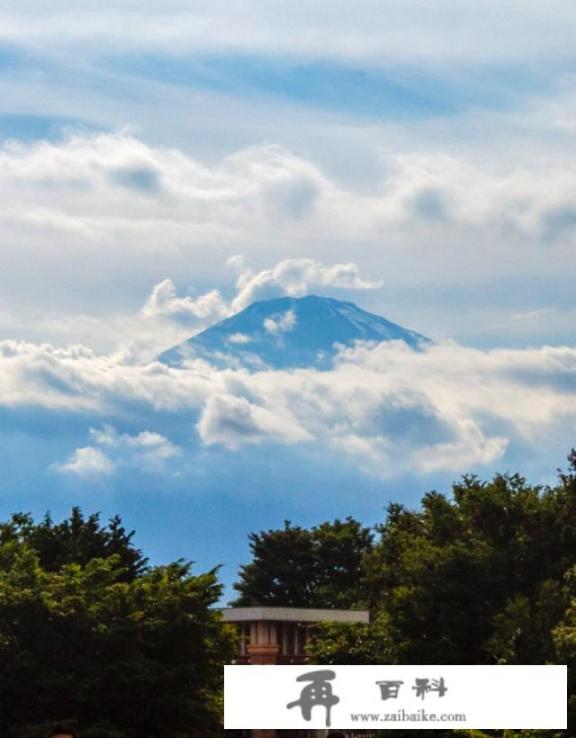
{"x":163,"y":302}
{"x":234,"y":421}
{"x":387,"y":408}
{"x":74,"y":188}
{"x":297,"y":277}
{"x":147,"y":445}
{"x":90,"y":206}
{"x":145,"y":450}
{"x":294,"y":277}
{"x":374,"y":32}
{"x":282,"y":323}
{"x":239,"y":338}
{"x":86,"y":463}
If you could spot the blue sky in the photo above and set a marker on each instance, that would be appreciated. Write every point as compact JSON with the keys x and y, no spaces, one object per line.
{"x":163,"y":164}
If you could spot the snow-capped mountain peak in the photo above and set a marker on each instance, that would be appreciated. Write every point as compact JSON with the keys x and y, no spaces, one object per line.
{"x":289,"y":332}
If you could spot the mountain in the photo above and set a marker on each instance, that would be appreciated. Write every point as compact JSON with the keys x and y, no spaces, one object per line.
{"x":289,"y":332}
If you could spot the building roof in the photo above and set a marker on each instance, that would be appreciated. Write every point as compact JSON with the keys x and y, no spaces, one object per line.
{"x":293,"y":615}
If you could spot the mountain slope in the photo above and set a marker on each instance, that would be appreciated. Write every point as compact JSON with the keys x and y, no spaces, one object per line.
{"x":289,"y":332}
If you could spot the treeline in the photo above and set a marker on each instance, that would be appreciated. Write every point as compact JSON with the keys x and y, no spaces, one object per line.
{"x":486,"y":575}
{"x":93,"y":635}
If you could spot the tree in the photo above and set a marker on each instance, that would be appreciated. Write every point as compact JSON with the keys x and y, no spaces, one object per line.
{"x":319,"y":567}
{"x":117,"y":655}
{"x":486,"y":575}
{"x":477,"y":578}
{"x":565,"y":641}
{"x":352,"y":643}
{"x":77,"y":539}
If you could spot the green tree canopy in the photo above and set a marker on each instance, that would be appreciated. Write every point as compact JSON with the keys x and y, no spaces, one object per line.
{"x":298,"y":567}
{"x":478,"y":577}
{"x":485,"y":575}
{"x":77,"y":539}
{"x":115,"y":647}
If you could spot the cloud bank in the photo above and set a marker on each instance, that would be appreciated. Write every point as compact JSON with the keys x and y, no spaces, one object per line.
{"x":385,"y":408}
{"x":373,"y":32}
{"x":95,"y":187}
{"x":105,"y":217}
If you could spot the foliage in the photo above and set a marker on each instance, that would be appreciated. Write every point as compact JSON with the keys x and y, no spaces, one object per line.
{"x":478,"y":578}
{"x":117,"y":648}
{"x":485,"y":575}
{"x":75,"y":540}
{"x":351,"y":643}
{"x":305,"y":568}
